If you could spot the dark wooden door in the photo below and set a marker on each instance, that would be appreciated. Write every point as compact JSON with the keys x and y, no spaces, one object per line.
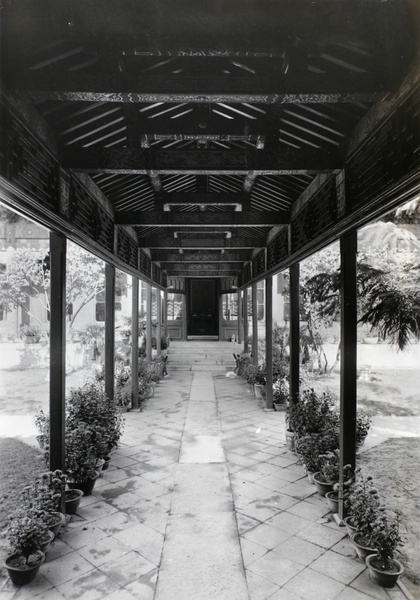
{"x":203,"y":307}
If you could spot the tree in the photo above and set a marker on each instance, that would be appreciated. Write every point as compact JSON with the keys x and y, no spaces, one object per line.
{"x":26,"y":275}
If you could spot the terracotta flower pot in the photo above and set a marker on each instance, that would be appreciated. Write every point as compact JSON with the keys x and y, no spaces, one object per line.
{"x":379,"y":574}
{"x":322,"y":487}
{"x":23,"y":574}
{"x":290,"y":440}
{"x":351,"y":529}
{"x":59,"y":522}
{"x":362,"y":549}
{"x":332,"y":499}
{"x":73,"y":498}
{"x":86,"y":486}
{"x":49,"y":538}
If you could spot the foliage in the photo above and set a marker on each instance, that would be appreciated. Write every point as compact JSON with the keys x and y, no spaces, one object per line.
{"x":250,"y":373}
{"x":42,"y":423}
{"x":330,"y":466}
{"x":30,"y":330}
{"x":363,"y":423}
{"x":81,"y":456}
{"x":242,"y":361}
{"x":312,"y":447}
{"x":281,"y":390}
{"x":89,"y":405}
{"x":26,"y":533}
{"x":26,"y":275}
{"x":362,"y":504}
{"x":393,"y":309}
{"x":122,"y":384}
{"x":311,"y":413}
{"x":385,"y":536}
{"x":45,"y":493}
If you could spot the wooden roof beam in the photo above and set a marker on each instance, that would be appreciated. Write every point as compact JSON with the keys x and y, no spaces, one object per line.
{"x":136,"y":160}
{"x":203,"y":219}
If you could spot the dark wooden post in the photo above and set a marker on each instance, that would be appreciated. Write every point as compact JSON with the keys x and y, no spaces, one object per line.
{"x":159,"y":322}
{"x":269,"y":342}
{"x":135,"y":343}
{"x":165,"y":313}
{"x":246,"y":328}
{"x":148,"y":322}
{"x":254,"y":325}
{"x":239,"y":317}
{"x":109,"y":330}
{"x":57,"y":349}
{"x":294,"y":333}
{"x":348,"y":373}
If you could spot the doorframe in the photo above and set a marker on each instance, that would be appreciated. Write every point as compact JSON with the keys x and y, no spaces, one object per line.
{"x":188,"y":285}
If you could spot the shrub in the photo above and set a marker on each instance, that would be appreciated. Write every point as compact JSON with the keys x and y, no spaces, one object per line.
{"x":25,"y":534}
{"x":311,"y":413}
{"x":363,"y":504}
{"x":385,"y":536}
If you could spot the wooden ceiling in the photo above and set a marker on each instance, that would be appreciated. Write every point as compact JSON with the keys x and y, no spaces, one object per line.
{"x":203,"y":122}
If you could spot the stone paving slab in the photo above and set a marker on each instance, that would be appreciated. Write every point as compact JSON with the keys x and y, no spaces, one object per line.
{"x":245,"y":526}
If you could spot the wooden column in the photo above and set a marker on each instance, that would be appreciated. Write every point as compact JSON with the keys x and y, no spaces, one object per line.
{"x":254,"y":325}
{"x":239,"y":317}
{"x":269,"y":341}
{"x":135,"y":343}
{"x":184,"y":317}
{"x":148,"y":322}
{"x":165,"y":313}
{"x":109,"y":330}
{"x":57,"y":349}
{"x":246,"y":328}
{"x":159,"y":322}
{"x":294,"y":333}
{"x":348,"y":373}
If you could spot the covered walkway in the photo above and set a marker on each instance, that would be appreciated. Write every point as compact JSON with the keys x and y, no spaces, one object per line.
{"x":202,"y":501}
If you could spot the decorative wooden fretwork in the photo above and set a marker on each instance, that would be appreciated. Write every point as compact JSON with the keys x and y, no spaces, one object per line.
{"x":127,"y":249}
{"x":28,"y":165}
{"x":228,"y":285}
{"x":246,"y":274}
{"x":390,"y":153}
{"x":278,"y":249}
{"x":89,"y":217}
{"x":316,"y":217}
{"x":145,"y":264}
{"x":258,"y":264}
{"x":155,"y":273}
{"x":176,"y":285}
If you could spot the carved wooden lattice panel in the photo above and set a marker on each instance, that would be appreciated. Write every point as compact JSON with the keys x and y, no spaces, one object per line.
{"x":177,"y":285}
{"x":246,"y":274}
{"x":29,"y":166}
{"x":127,"y":249}
{"x":278,"y":249}
{"x":155,"y":273}
{"x":85,"y":214}
{"x":258,"y":264}
{"x":317,"y":217}
{"x":145,"y":264}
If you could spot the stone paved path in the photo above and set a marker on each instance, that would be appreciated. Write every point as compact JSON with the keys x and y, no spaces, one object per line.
{"x":202,"y":500}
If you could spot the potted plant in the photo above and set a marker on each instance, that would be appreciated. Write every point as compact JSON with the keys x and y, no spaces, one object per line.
{"x":42,"y":423}
{"x":123,"y":386}
{"x":242,"y":361}
{"x":260,"y":381}
{"x":281,"y":392}
{"x":363,"y":424}
{"x":81,"y":458}
{"x":45,"y":495}
{"x":25,"y":534}
{"x":363,"y":506}
{"x":31,"y":334}
{"x":383,"y":567}
{"x":328,"y":473}
{"x":312,"y":447}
